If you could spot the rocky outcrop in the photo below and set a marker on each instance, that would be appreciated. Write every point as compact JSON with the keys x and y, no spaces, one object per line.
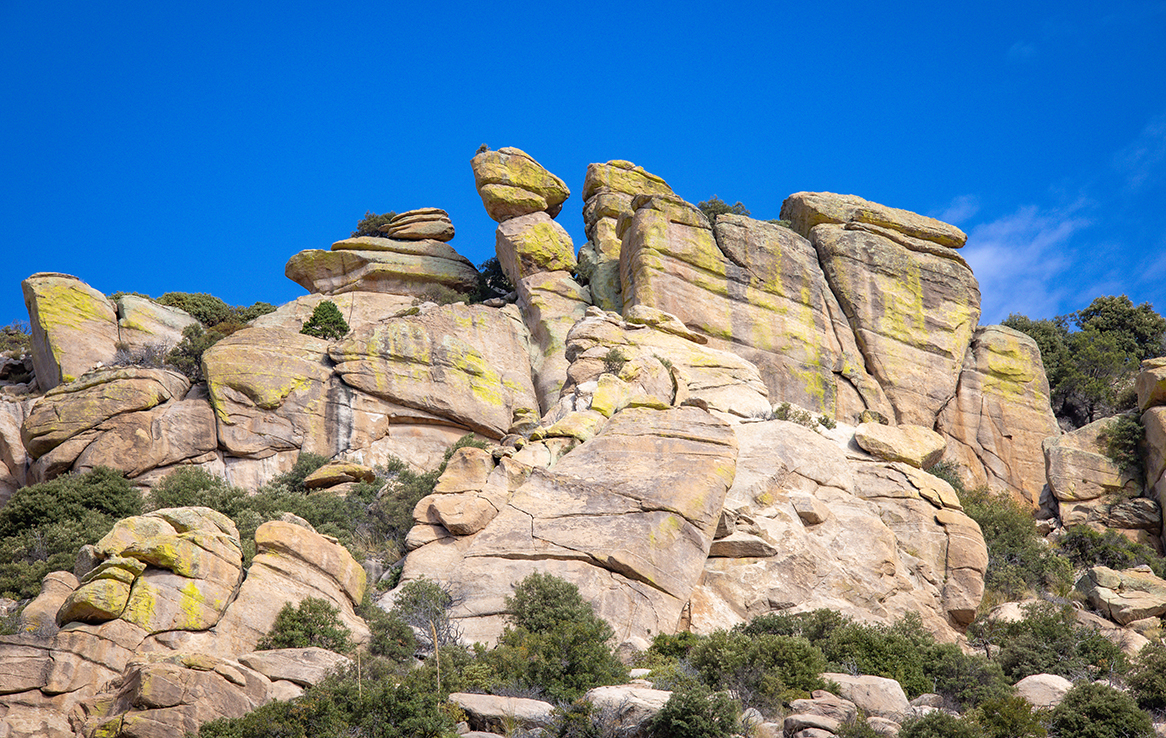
{"x":393,"y":266}
{"x":632,"y":535}
{"x":74,"y":327}
{"x":360,"y":310}
{"x":1043,"y":691}
{"x":805,"y":496}
{"x":419,"y":225}
{"x":911,"y":444}
{"x":1151,"y":388}
{"x":1086,"y":482}
{"x":805,"y":210}
{"x":1124,"y":596}
{"x":143,"y":323}
{"x":551,"y":303}
{"x":608,"y":191}
{"x":753,"y":288}
{"x":512,"y":184}
{"x":1000,"y":415}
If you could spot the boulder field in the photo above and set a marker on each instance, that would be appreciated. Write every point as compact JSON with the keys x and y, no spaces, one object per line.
{"x":695,"y":422}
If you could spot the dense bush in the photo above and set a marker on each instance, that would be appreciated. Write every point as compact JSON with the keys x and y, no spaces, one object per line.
{"x":1009,"y":716}
{"x":1097,"y":711}
{"x":314,"y":623}
{"x":1048,"y":640}
{"x":186,"y":357}
{"x":555,"y":644}
{"x":44,"y":525}
{"x":389,"y":637}
{"x":715,"y":206}
{"x":212,"y":311}
{"x":16,"y":339}
{"x":695,"y":713}
{"x":939,"y":725}
{"x":492,"y":281}
{"x":763,"y":671}
{"x":1086,"y":547}
{"x":1147,"y":677}
{"x":371,"y":223}
{"x":1018,"y":558}
{"x":1122,"y":442}
{"x":326,"y":322}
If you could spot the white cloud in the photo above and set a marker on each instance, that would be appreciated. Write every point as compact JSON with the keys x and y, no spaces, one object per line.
{"x":959,"y":209}
{"x":1022,"y":262}
{"x":1021,"y":51}
{"x":1144,"y":157}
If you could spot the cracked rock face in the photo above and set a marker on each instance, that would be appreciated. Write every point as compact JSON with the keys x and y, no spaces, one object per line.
{"x":628,"y":517}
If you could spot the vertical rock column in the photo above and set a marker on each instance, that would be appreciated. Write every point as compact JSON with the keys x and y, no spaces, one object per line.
{"x":537,"y":256}
{"x":1151,"y":386}
{"x":608,"y":190}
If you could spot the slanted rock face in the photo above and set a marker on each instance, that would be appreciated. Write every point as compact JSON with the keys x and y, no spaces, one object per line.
{"x":1083,"y":479}
{"x":608,"y":190}
{"x":805,"y":210}
{"x":912,"y":306}
{"x":627,"y":517}
{"x":74,"y":327}
{"x":1000,"y":414}
{"x":469,"y":365}
{"x":551,"y":303}
{"x":360,"y":309}
{"x":144,"y":323}
{"x":1151,"y":387}
{"x":917,"y":551}
{"x":369,"y":264}
{"x":511,"y":184}
{"x":755,"y":289}
{"x":13,"y":456}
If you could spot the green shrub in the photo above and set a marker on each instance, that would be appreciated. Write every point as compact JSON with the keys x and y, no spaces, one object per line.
{"x":425,"y":606}
{"x":1097,"y":711}
{"x":1018,"y":558}
{"x":390,"y":637}
{"x":1121,"y":440}
{"x":1147,"y":677}
{"x":1048,"y":640}
{"x":16,"y":339}
{"x":492,"y":281}
{"x":293,"y":479}
{"x":613,"y":361}
{"x":44,"y":525}
{"x":675,"y":646}
{"x":212,"y":312}
{"x":555,"y":644}
{"x":326,"y":322}
{"x":186,"y":357}
{"x":715,"y":206}
{"x":938,"y":725}
{"x":764,"y":671}
{"x":315,"y":622}
{"x":858,"y":729}
{"x":371,"y":223}
{"x":695,"y":713}
{"x":1086,"y":547}
{"x":786,"y":411}
{"x":1008,"y":716}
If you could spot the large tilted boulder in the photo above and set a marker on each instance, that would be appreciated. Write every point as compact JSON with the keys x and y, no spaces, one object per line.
{"x":755,"y":289}
{"x":393,"y":266}
{"x":1124,"y":596}
{"x":804,"y":496}
{"x":608,"y":190}
{"x":13,"y":456}
{"x":74,"y":327}
{"x":530,"y":244}
{"x":635,"y":555}
{"x":512,"y":184}
{"x":143,"y":323}
{"x":1085,"y":481}
{"x":910,"y":298}
{"x":1000,"y":415}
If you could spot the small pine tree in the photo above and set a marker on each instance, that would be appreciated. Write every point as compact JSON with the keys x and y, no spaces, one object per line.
{"x":326,"y":322}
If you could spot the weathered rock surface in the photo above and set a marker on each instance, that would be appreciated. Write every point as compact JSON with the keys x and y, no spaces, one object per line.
{"x":420,"y":225}
{"x":912,"y":307}
{"x":1084,"y":480}
{"x":755,"y":289}
{"x":911,"y":444}
{"x":608,"y":190}
{"x":14,"y":457}
{"x":1124,"y":596}
{"x":360,"y":309}
{"x":877,"y":696}
{"x":918,"y":552}
{"x":1043,"y":691}
{"x":487,"y":712}
{"x":628,"y":706}
{"x":302,"y":666}
{"x":468,"y":365}
{"x":530,"y":244}
{"x":143,"y":323}
{"x":805,"y":210}
{"x":370,"y":264}
{"x":1153,"y":403}
{"x":551,"y":303}
{"x":628,"y":517}
{"x":512,"y":184}
{"x":74,"y":327}
{"x":1000,"y":415}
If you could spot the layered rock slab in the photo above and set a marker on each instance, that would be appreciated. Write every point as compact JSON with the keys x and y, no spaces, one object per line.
{"x":74,"y":327}
{"x":755,"y":289}
{"x":512,"y":184}
{"x":1084,"y":480}
{"x":1001,"y":415}
{"x":916,"y":552}
{"x":912,"y":306}
{"x":393,"y":266}
{"x":628,"y":517}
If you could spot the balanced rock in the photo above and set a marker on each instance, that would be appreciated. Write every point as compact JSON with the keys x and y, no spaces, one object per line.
{"x":511,"y":183}
{"x":369,"y":264}
{"x":338,"y":472}
{"x":753,"y":288}
{"x":74,"y":327}
{"x":530,"y":244}
{"x":419,"y":225}
{"x":1000,"y":415}
{"x":911,"y":444}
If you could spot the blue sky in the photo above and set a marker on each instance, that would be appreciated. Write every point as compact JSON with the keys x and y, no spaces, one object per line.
{"x":153,"y":147}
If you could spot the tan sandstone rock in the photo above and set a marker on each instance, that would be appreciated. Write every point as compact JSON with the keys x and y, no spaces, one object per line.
{"x":877,"y":696}
{"x":512,"y":184}
{"x":1124,"y":596}
{"x":551,"y":303}
{"x":911,"y":444}
{"x":370,"y":264}
{"x":530,"y":244}
{"x":419,"y":225}
{"x":303,"y":666}
{"x":143,"y":323}
{"x":1000,"y":415}
{"x":1082,"y":477}
{"x":807,"y":209}
{"x":1043,"y":691}
{"x":74,"y":327}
